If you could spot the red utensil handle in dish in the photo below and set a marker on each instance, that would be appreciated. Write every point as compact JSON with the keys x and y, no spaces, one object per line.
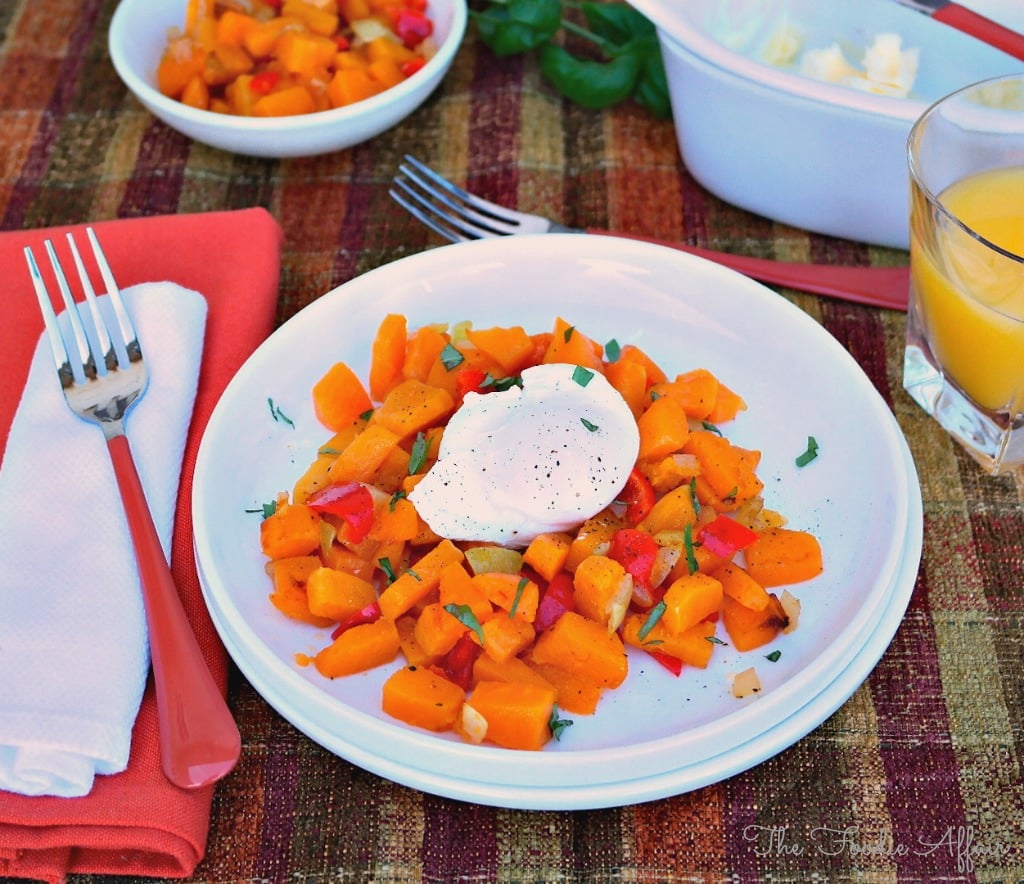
{"x":199,"y":740}
{"x":875,"y":286}
{"x":970,"y":22}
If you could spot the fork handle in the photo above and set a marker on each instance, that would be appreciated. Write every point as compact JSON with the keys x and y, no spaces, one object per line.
{"x":875,"y":286}
{"x":199,"y":740}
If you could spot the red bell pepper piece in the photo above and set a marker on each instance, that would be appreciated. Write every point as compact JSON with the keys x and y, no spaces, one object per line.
{"x":351,"y":501}
{"x":457,"y":664}
{"x":638,"y":496}
{"x":369,"y":614}
{"x":556,"y":599}
{"x":470,"y":380}
{"x":411,"y":66}
{"x":412,"y":26}
{"x":264,"y":82}
{"x":672,"y":664}
{"x":636,"y":551}
{"x":725,"y":537}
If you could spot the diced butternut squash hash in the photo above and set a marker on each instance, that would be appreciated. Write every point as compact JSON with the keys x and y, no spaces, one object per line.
{"x":494,"y":643}
{"x":276,"y":58}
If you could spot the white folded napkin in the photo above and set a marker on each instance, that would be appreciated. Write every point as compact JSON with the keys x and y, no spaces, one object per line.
{"x":73,"y":651}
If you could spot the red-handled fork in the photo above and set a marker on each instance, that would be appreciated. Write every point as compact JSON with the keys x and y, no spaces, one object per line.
{"x":199,"y":740}
{"x":458,"y":215}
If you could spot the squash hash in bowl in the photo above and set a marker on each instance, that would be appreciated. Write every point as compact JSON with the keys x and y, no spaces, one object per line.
{"x":272,"y":58}
{"x":511,"y":618}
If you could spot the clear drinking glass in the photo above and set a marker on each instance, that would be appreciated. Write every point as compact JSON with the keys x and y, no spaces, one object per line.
{"x":964,"y":358}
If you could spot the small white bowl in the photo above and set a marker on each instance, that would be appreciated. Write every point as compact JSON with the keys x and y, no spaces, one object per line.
{"x":819,"y":156}
{"x":138,"y":36}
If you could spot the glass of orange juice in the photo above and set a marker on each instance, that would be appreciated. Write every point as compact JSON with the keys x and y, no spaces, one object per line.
{"x":964,"y":358}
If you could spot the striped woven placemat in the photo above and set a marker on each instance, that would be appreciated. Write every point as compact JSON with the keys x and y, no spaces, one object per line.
{"x":916,"y":777}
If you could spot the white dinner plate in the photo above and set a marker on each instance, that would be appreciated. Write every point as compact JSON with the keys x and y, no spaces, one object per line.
{"x":656,"y":735}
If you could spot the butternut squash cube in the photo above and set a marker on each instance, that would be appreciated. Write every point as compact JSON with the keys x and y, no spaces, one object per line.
{"x":518,"y":716}
{"x":689,"y":600}
{"x":422,"y":698}
{"x":602,"y":590}
{"x":359,"y":649}
{"x":336,"y":595}
{"x":585,"y":648}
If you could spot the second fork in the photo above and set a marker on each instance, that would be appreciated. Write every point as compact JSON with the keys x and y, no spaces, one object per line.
{"x":459,"y":215}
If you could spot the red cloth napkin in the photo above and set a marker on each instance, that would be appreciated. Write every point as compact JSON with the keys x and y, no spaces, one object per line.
{"x":136,"y":822}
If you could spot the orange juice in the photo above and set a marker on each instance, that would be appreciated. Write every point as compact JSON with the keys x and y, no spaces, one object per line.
{"x":971,"y":295}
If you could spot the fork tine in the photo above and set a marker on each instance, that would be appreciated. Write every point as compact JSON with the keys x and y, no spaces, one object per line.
{"x":420,"y":208}
{"x":472,"y":216}
{"x":61,"y":359}
{"x":85,"y":353}
{"x":430,"y":180}
{"x":99,"y":325}
{"x":124,"y":322}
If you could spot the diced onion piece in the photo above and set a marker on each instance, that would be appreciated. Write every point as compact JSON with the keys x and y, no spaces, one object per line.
{"x":746,"y":683}
{"x":618,"y":604}
{"x":664,"y":561}
{"x":472,"y":725}
{"x":494,"y":559}
{"x":368,"y":29}
{"x":791,"y":605}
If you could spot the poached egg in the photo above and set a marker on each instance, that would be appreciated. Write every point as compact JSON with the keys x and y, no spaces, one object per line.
{"x":530,"y":460}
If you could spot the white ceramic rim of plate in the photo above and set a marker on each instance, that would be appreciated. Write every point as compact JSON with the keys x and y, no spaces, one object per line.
{"x":577,"y":766}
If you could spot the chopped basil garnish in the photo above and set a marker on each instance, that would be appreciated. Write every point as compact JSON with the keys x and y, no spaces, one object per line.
{"x":500,"y":384}
{"x":612,"y":350}
{"x":418,"y":455}
{"x":557,"y":724}
{"x":714,"y":639}
{"x":279,"y":415}
{"x":651,"y":621}
{"x":464,"y":614}
{"x":582,"y":376}
{"x":809,"y":454}
{"x":590,"y":426}
{"x":451,"y":357}
{"x":366,"y":415}
{"x":385,"y":566}
{"x":567,"y":334}
{"x":267,"y":510}
{"x":710,"y":427}
{"x":773,"y":656}
{"x":691,"y":559}
{"x":519,"y":596}
{"x":693,"y":496}
{"x":397,"y":496}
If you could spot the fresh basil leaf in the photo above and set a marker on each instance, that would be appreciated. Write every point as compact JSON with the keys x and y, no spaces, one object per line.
{"x":589,"y":83}
{"x":518,"y":25}
{"x":618,"y":23}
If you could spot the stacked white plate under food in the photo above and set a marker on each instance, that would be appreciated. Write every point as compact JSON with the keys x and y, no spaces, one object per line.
{"x":657,"y":735}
